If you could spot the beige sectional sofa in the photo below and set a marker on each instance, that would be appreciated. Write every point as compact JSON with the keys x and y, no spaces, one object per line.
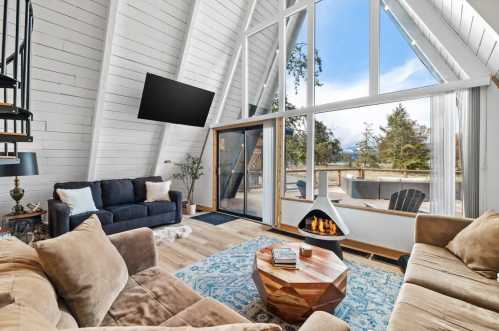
{"x":440,"y":292}
{"x":152,"y":300}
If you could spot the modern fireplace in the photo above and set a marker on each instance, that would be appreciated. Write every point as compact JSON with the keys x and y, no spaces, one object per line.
{"x":323,"y":226}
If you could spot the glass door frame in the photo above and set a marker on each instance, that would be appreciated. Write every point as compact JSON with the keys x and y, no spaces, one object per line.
{"x":245,"y":179}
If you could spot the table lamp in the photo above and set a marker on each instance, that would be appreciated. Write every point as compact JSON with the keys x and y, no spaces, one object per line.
{"x":27,"y":166}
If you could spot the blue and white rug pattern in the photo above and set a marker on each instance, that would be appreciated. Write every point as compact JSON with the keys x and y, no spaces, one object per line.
{"x":226,"y":277}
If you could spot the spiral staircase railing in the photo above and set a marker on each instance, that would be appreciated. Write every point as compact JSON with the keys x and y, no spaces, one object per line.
{"x":15,"y":79}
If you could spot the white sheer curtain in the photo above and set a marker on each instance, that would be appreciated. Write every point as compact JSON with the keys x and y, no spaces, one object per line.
{"x":443,"y":142}
{"x":468,"y":105}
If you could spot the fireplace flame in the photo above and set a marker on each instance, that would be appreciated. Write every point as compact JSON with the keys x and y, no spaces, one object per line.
{"x":321,"y":225}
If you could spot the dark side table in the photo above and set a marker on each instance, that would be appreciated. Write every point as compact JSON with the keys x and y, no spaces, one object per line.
{"x":28,"y":227}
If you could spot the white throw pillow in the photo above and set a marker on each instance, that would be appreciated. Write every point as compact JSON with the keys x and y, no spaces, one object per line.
{"x":79,"y":200}
{"x":158,"y":191}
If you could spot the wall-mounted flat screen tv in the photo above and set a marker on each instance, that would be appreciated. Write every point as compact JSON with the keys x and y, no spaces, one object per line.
{"x":169,"y":101}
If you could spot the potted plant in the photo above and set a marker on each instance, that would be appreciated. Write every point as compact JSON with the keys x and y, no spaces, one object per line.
{"x":189,"y":172}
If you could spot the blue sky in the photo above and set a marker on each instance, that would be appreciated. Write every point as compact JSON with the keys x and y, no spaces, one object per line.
{"x":342,"y":40}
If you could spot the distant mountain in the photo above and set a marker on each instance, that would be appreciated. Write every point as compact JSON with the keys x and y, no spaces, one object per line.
{"x":351,"y":151}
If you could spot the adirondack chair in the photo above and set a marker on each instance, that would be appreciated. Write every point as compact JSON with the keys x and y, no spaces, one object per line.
{"x":302,"y":187}
{"x":406,"y":200}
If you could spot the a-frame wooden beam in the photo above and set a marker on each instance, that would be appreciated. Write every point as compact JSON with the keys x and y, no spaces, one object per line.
{"x":104,"y":73}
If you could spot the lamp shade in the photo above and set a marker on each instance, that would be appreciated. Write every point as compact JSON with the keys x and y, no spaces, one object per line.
{"x":26,"y":167}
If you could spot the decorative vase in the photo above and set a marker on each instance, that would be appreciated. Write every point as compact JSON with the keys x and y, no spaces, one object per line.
{"x":190,"y":209}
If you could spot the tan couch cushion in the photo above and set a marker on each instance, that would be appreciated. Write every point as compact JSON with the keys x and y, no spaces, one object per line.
{"x":230,"y":327}
{"x":67,"y":321}
{"x":23,"y":281}
{"x":16,"y":317}
{"x":477,"y":245}
{"x":420,"y":309}
{"x":322,"y":321}
{"x":150,"y":297}
{"x":439,"y":270}
{"x":206,"y":312}
{"x":86,"y":269}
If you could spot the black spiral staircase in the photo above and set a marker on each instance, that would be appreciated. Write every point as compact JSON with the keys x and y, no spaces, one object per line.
{"x":15,"y":78}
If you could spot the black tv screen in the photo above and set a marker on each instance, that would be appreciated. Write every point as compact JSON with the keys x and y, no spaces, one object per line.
{"x":169,"y":101}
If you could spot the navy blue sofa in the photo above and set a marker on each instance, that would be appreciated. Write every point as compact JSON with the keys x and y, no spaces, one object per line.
{"x":121,"y":206}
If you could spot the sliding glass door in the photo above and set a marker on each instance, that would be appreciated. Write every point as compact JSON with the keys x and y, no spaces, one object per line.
{"x":231,"y":171}
{"x":240,"y":171}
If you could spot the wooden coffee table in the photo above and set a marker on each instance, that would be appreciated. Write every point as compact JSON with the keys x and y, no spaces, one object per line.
{"x":320,"y":283}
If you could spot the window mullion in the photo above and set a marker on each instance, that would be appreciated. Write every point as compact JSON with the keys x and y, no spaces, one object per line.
{"x":282,"y":57}
{"x":244,"y":64}
{"x":374,"y":38}
{"x":310,"y":53}
{"x":310,"y":98}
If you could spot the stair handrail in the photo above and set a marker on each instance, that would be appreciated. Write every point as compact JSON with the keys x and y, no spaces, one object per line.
{"x":22,"y":45}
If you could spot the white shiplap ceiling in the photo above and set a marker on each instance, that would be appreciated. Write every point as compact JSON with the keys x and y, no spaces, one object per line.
{"x":464,"y":17}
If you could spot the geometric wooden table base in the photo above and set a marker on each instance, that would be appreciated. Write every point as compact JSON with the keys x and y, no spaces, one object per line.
{"x":319,"y":284}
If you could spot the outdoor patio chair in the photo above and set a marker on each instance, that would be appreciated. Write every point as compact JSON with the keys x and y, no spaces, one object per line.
{"x":409,"y":200}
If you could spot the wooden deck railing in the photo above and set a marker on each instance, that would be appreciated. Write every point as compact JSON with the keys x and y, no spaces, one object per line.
{"x":363,"y":172}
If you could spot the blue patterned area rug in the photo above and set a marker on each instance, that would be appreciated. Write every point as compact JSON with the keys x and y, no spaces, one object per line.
{"x":226,"y":277}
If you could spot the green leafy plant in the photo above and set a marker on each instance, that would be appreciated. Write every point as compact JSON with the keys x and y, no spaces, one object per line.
{"x":297,"y":65}
{"x":190,"y":170}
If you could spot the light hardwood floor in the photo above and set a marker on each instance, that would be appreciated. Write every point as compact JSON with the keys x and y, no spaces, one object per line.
{"x":207,"y":240}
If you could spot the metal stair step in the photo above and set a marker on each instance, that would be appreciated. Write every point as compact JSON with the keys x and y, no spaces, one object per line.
{"x":6,"y":160}
{"x":14,"y":137}
{"x":9,"y":109}
{"x":8,"y":82}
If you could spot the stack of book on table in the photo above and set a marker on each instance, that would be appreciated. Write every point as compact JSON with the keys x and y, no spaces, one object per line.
{"x":284,"y":258}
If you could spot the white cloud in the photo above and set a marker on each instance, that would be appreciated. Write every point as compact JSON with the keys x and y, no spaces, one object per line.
{"x":347,"y":125}
{"x":410,"y":74}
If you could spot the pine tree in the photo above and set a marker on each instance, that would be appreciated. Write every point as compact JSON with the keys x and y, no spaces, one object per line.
{"x":296,"y":140}
{"x":367,"y":148}
{"x":327,"y":146}
{"x":403,"y":142}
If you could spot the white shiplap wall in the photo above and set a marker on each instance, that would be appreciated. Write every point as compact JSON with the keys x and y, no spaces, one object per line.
{"x":215,"y":33}
{"x":233,"y":105}
{"x":149,"y":37}
{"x":68,"y":40}
{"x":471,"y":27}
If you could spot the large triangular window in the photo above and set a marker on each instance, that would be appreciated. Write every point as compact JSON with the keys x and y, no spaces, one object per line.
{"x":402,"y":66}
